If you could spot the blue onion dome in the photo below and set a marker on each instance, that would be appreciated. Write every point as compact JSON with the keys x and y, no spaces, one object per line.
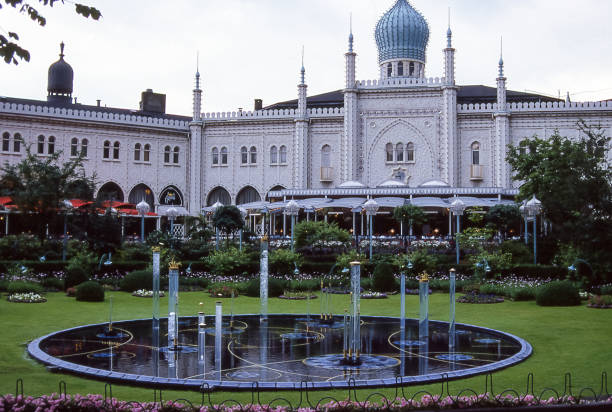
{"x":402,"y":33}
{"x":60,"y":77}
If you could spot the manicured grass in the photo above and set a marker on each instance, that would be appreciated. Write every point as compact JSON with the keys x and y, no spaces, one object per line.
{"x":565,"y":339}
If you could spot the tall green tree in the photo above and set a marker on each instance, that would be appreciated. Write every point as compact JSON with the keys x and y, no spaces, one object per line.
{"x":10,"y":50}
{"x":228,"y":220}
{"x":410,"y":215}
{"x":503,"y":217}
{"x":38,"y":185}
{"x":573,"y":179}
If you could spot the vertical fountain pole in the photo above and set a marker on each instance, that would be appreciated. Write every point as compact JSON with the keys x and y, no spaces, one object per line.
{"x":451,"y":325}
{"x":355,"y":316}
{"x":218,"y":337}
{"x":110,"y":315}
{"x":173,"y":288}
{"x":263,"y":280}
{"x":424,"y":307}
{"x":322,"y":301}
{"x":201,"y":343}
{"x":403,"y":300}
{"x":346,"y":329}
{"x":155,"y":318}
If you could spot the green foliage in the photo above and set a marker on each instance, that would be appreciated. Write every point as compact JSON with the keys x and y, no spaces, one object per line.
{"x":520,"y":253}
{"x":22,"y":246}
{"x":383,"y":279}
{"x":198,"y":228}
{"x":138,"y":279}
{"x":304,"y":285}
{"x":313,"y":233}
{"x":222,"y":290}
{"x":421,"y":262}
{"x":475,"y":215}
{"x":101,"y":232}
{"x":503,"y":217}
{"x":228,"y":219}
{"x":474,"y":237}
{"x":559,"y":293}
{"x":410,"y":215}
{"x":606,"y":290}
{"x":276,"y":287}
{"x":80,"y":267}
{"x":519,"y":294}
{"x":232,"y":261}
{"x":53,"y":284}
{"x":134,"y":251}
{"x":498,"y":262}
{"x":252,"y":288}
{"x":24,"y":287}
{"x":90,"y":291}
{"x":283,"y":261}
{"x":344,"y":260}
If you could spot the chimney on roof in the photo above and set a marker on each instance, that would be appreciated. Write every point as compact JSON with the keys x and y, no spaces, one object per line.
{"x":258,"y":104}
{"x":98,"y":101}
{"x":153,"y":102}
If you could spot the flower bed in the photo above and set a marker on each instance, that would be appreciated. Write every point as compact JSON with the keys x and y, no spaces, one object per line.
{"x":296,"y":296}
{"x":600,"y":302}
{"x":143,"y":293}
{"x":26,"y":298}
{"x":373,"y":295}
{"x":479,"y":298}
{"x":427,"y":402}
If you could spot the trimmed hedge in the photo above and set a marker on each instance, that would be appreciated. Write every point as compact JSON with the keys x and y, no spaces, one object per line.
{"x":23,"y":287}
{"x":90,"y":291}
{"x":559,"y":293}
{"x":537,"y":271}
{"x":276,"y":287}
{"x":383,"y":279}
{"x":139,"y":279}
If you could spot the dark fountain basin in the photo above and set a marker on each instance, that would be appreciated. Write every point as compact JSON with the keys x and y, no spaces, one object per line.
{"x":286,"y":352}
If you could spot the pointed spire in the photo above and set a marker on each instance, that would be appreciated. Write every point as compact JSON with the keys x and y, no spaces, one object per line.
{"x":351,"y":33}
{"x":449,"y":33}
{"x":501,"y":58}
{"x":197,"y":70}
{"x":62,"y":50}
{"x":303,"y":71}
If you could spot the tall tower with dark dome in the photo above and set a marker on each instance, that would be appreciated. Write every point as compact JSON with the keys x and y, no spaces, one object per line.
{"x":402,"y":35}
{"x":59,"y":84}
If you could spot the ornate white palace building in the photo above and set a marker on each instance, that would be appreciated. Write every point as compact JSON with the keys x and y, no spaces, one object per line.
{"x":403,"y":136}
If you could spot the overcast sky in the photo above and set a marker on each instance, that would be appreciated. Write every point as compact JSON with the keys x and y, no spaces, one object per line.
{"x":252,"y":48}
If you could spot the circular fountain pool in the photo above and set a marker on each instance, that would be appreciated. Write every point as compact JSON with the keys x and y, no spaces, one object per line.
{"x":286,"y":352}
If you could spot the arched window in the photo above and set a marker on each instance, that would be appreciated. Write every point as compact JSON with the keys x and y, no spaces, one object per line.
{"x":167,"y":154}
{"x":74,"y":147}
{"x":399,"y":152}
{"x":253,"y":154}
{"x":142,"y":192}
{"x":389,"y":151}
{"x":6,"y":141}
{"x":84,"y":144}
{"x":137,"y":152}
{"x":51,"y":145}
{"x":326,"y":156}
{"x":17,"y":143}
{"x":224,"y":155}
{"x":244,"y":155}
{"x":218,"y":194}
{"x":175,"y":155}
{"x":273,"y":155}
{"x":116,"y":151}
{"x":411,"y":69}
{"x":389,"y":70}
{"x":247,"y":194}
{"x":215,"y":156}
{"x":410,"y":152}
{"x":400,"y":68}
{"x":106,"y":151}
{"x":147,"y":153}
{"x":40,"y":148}
{"x":475,"y":153}
{"x":283,"y":154}
{"x":110,"y":191}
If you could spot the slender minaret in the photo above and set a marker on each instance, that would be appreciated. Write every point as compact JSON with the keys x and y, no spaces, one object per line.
{"x":300,"y":140}
{"x":449,"y":169}
{"x":502,"y":130}
{"x":196,"y":129}
{"x":351,"y":162}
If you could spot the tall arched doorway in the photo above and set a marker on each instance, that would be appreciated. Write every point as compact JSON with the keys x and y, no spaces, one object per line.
{"x":247,"y":194}
{"x":110,"y":191}
{"x":142,"y":192}
{"x":218,"y":194}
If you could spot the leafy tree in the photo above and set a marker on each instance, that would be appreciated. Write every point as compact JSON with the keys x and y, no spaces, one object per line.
{"x":198,"y":228}
{"x":228,"y":219}
{"x":573,"y":179}
{"x":38,"y":185}
{"x":9,"y":46}
{"x":503,"y":217}
{"x":475,"y":215}
{"x":308,"y":233}
{"x":410,"y":215}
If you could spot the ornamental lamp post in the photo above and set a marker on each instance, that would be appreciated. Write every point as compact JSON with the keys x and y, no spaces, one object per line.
{"x":172,"y":213}
{"x":524,"y":213}
{"x":67,"y":204}
{"x":457,"y":208}
{"x":371,"y":207}
{"x":243,"y":214}
{"x":214,"y":207}
{"x":143,"y":208}
{"x":292,"y":209}
{"x":534,"y":208}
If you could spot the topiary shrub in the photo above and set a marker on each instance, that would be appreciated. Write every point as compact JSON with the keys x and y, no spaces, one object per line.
{"x":53,"y":284}
{"x":24,"y":287}
{"x":79,"y":268}
{"x":90,"y":291}
{"x":519,"y":251}
{"x":383,"y":279}
{"x":283,"y":261}
{"x":560,"y":293}
{"x":523,"y":294}
{"x":276,"y":287}
{"x":252,"y":288}
{"x":138,"y":279}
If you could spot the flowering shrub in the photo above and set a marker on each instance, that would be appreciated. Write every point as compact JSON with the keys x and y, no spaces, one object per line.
{"x":26,"y":298}
{"x":430,"y":244}
{"x":222,"y":291}
{"x":373,"y":295}
{"x":427,"y":402}
{"x":143,"y":293}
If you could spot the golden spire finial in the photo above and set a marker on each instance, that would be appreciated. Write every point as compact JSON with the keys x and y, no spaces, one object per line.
{"x":174,"y":265}
{"x":424,"y":277}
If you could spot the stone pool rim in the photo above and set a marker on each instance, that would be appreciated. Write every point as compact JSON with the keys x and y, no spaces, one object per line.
{"x":214,"y":385}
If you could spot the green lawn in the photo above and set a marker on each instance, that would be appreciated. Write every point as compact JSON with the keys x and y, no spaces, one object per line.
{"x":565,"y":339}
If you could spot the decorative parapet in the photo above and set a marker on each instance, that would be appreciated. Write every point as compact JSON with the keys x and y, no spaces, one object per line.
{"x":537,"y":107}
{"x":272,"y":114}
{"x":402,"y":82}
{"x":93,"y":115}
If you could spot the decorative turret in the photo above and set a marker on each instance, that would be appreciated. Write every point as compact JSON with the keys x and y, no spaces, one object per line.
{"x":402,"y":35}
{"x":197,"y":95}
{"x":60,"y":80}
